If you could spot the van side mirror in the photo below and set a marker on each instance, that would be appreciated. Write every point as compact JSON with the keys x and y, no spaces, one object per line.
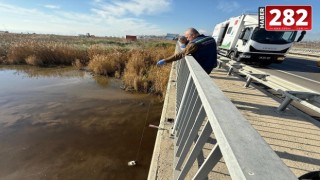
{"x":241,"y":35}
{"x":301,"y":36}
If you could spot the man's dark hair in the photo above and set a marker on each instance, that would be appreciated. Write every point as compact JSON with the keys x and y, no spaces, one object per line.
{"x":183,"y":39}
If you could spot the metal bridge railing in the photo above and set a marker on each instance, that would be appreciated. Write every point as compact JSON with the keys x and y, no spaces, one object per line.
{"x":203,"y":111}
{"x":290,"y":91}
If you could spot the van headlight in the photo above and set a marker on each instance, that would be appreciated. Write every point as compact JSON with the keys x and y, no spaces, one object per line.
{"x":280,"y":58}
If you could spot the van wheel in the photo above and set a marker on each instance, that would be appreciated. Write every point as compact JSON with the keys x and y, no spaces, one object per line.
{"x":232,"y":55}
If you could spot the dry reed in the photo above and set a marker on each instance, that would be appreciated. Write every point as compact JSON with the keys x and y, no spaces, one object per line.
{"x":134,"y":62}
{"x":107,"y":61}
{"x":141,"y":74}
{"x":44,"y":54}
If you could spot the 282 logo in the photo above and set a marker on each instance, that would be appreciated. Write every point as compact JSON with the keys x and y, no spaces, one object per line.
{"x":286,"y":18}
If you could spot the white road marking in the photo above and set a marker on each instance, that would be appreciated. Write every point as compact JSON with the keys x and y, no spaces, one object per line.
{"x":297,"y":76}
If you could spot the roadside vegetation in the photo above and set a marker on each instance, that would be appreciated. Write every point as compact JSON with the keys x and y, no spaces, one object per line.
{"x":307,"y":44}
{"x":134,"y":62}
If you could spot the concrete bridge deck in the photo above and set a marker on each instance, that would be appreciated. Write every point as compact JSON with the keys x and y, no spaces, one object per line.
{"x":294,"y":136}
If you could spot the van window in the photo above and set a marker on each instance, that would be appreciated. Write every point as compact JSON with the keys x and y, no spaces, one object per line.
{"x":273,"y":37}
{"x":229,"y":30}
{"x":247,"y":34}
{"x":287,"y":35}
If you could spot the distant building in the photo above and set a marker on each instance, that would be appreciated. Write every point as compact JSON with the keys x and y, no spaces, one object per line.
{"x":172,"y":36}
{"x":150,"y":37}
{"x":131,"y":38}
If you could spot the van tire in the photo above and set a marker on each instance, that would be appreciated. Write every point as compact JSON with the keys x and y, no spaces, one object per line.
{"x":232,"y":55}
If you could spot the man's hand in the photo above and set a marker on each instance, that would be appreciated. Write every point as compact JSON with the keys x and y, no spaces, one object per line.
{"x":161,"y":62}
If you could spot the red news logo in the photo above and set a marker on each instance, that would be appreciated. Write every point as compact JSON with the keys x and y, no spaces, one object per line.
{"x":285,"y":18}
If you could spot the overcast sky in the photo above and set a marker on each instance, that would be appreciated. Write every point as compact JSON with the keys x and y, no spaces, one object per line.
{"x":135,"y":17}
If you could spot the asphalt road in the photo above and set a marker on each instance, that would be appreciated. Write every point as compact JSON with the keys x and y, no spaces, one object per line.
{"x":300,"y":71}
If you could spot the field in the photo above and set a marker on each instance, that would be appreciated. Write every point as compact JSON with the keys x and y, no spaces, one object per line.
{"x":132,"y":61}
{"x":307,"y":45}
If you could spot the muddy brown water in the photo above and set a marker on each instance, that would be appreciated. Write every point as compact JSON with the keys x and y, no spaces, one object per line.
{"x":60,"y":123}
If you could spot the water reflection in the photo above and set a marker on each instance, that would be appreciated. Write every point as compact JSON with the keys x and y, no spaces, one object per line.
{"x":34,"y":72}
{"x":70,"y":127}
{"x":101,"y":80}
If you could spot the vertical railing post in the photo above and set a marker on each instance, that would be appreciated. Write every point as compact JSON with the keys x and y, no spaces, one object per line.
{"x":191,"y":137}
{"x":284,"y":104}
{"x":189,"y":123}
{"x":205,"y":134}
{"x":212,"y":159}
{"x":181,"y":108}
{"x":181,"y":83}
{"x":249,"y":80}
{"x":186,"y":112}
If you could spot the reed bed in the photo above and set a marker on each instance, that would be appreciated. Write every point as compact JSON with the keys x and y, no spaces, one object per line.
{"x":44,"y":54}
{"x":133,"y":62}
{"x":136,"y":67}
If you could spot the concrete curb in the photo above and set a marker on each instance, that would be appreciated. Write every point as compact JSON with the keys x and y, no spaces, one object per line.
{"x":153,"y":171}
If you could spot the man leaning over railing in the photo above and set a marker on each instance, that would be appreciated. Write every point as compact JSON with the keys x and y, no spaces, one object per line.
{"x":202,"y":48}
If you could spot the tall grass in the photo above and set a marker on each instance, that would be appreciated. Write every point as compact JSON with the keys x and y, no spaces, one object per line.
{"x":44,"y":54}
{"x":133,"y":62}
{"x":141,"y":74}
{"x":107,"y":61}
{"x":135,"y":66}
{"x":3,"y":53}
{"x":137,"y":70}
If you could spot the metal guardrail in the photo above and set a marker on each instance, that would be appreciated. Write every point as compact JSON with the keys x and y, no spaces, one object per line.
{"x":201,"y":102}
{"x":290,"y":91}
